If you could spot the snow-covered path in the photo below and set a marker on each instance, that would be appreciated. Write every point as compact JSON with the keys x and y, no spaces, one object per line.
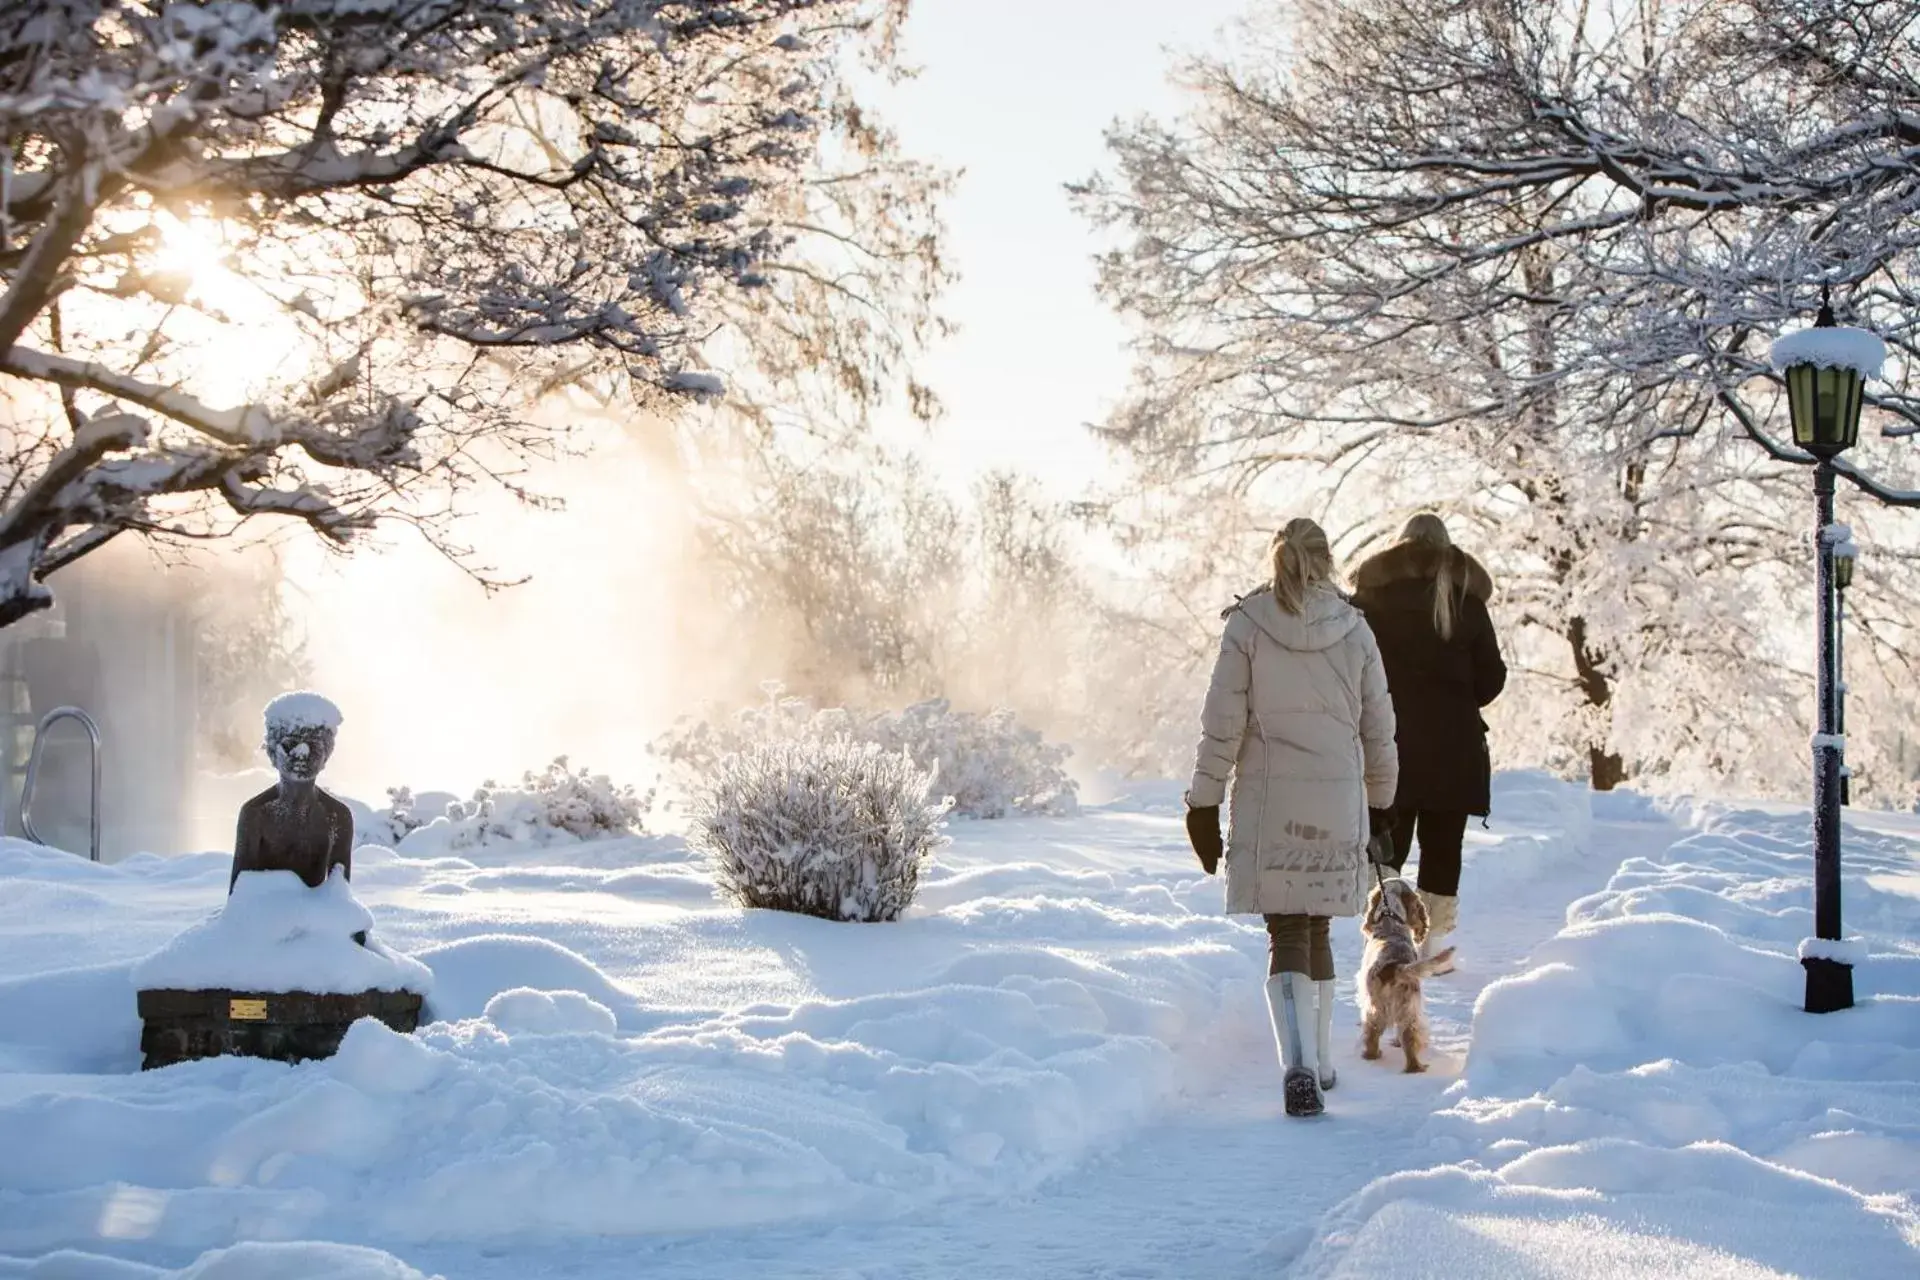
{"x":1226,"y":1186}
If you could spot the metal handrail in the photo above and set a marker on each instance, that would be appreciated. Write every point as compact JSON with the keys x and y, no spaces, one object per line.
{"x":33,"y":770}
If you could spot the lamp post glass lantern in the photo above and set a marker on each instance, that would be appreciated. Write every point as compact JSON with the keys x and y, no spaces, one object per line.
{"x":1825,"y":369}
{"x":1825,"y":402}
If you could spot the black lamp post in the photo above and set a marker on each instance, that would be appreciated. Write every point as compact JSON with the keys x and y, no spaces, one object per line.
{"x":1825,"y":368}
{"x":1844,"y":554}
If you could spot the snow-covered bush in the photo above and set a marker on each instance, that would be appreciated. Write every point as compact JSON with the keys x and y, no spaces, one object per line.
{"x":832,"y":827}
{"x":991,"y":764}
{"x":389,"y":826}
{"x":557,"y":804}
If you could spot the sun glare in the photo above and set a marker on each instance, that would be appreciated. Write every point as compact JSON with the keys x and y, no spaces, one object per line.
{"x":195,"y":249}
{"x":250,"y":342}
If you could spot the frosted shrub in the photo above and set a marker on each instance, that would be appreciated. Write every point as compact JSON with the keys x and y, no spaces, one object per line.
{"x":403,"y":815}
{"x":556,"y":805}
{"x":830,"y":827}
{"x":990,"y":764}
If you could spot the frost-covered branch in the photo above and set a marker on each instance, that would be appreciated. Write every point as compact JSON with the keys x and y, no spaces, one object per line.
{"x":331,"y":251}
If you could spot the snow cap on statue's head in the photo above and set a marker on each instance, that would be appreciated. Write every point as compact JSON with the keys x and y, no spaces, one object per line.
{"x":301,"y":710}
{"x":301,"y":730}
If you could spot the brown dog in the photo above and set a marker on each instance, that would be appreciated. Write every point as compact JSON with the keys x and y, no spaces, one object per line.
{"x":1392,"y":970}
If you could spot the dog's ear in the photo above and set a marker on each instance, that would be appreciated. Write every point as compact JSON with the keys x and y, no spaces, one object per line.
{"x":1417,"y":919}
{"x":1376,"y":901}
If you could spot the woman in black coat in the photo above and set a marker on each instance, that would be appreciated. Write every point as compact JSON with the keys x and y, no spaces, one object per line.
{"x":1426,"y":601}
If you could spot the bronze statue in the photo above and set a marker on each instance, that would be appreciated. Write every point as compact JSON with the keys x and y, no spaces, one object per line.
{"x":296,"y":826}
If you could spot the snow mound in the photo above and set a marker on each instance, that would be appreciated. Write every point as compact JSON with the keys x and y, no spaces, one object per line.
{"x":1542,"y":1238}
{"x":274,"y":933}
{"x":1838,"y":347}
{"x":470,"y":974}
{"x":524,"y":1011}
{"x":302,"y":710}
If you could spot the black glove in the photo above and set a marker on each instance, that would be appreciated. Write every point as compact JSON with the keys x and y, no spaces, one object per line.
{"x":1203,"y":829}
{"x":1380,"y":838}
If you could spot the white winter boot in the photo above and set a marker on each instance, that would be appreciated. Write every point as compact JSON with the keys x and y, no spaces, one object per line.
{"x":1323,"y":1035}
{"x":1286,"y":993}
{"x":1443,"y":915}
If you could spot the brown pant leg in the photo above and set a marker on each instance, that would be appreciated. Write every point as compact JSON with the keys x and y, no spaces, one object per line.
{"x":1320,"y":950}
{"x":1289,"y":945}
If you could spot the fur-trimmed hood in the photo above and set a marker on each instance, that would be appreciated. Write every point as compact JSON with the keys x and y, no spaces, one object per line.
{"x":1417,"y":562}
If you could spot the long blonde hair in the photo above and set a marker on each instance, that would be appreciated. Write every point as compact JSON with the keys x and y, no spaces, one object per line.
{"x":1427,"y":530}
{"x":1302,"y":559}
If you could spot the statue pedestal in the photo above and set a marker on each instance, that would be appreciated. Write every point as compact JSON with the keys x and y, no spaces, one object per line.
{"x":287,"y":1026}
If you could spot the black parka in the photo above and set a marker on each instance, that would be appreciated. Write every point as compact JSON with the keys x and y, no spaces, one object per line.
{"x":1438,"y":686}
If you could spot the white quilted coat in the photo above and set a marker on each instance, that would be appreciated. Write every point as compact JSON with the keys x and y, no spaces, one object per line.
{"x":1298,"y":715}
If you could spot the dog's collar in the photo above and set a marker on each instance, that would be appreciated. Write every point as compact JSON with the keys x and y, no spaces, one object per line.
{"x":1390,"y":902}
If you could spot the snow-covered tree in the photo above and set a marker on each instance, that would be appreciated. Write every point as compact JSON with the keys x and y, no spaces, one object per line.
{"x":1520,"y":260}
{"x":317,"y":259}
{"x":840,"y":570}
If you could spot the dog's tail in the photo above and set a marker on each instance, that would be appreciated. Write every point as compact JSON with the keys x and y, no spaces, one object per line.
{"x":1421,"y":970}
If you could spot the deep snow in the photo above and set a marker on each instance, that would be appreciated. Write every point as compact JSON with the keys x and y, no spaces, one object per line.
{"x":1056,"y":1065}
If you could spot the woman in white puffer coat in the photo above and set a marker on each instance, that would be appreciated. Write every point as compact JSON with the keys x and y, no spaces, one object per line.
{"x":1299,"y":717}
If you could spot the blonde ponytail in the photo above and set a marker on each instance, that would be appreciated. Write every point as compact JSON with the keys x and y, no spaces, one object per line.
{"x":1427,"y":530}
{"x":1302,"y":559}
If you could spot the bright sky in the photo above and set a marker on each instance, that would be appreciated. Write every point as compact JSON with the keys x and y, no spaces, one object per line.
{"x":1018,"y":93}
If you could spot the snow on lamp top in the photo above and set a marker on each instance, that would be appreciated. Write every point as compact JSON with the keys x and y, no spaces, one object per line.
{"x":303,"y":710}
{"x":275,"y":934}
{"x":1831,"y":347}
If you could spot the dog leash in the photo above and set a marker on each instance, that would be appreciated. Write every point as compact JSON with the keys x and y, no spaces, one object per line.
{"x":1387,"y":900}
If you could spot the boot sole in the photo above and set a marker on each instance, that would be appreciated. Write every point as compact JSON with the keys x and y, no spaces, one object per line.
{"x":1303,"y":1094}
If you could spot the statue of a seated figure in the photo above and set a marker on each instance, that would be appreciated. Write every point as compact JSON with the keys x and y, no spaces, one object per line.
{"x":296,"y":826}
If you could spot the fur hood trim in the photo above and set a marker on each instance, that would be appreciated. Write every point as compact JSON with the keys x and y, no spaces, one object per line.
{"x":1416,"y":562}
